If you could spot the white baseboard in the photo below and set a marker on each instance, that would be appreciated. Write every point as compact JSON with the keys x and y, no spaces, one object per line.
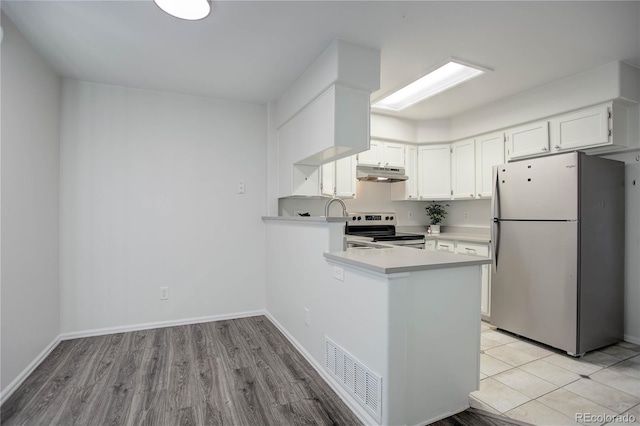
{"x":632,"y":339}
{"x":357,"y":409}
{"x":11,"y":388}
{"x":158,"y":324}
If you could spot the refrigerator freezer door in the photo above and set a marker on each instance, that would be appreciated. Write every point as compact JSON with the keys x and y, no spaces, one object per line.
{"x":534,"y":287}
{"x":538,"y":189}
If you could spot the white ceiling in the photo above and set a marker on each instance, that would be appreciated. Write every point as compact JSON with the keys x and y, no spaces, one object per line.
{"x":252,"y":51}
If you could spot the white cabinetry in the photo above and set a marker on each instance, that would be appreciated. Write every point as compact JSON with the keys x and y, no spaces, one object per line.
{"x":430,"y":245}
{"x":489,"y":153}
{"x":589,"y":127}
{"x":384,"y":154}
{"x":476,"y":249}
{"x":463,"y":169}
{"x":434,"y":172}
{"x":339,"y":178}
{"x":407,"y":190}
{"x":528,"y":140}
{"x":446,"y":245}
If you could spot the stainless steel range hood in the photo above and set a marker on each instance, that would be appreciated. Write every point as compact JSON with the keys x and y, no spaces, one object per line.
{"x":380,"y":174}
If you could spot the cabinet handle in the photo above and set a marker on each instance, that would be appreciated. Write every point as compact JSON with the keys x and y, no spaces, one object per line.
{"x":544,"y":148}
{"x":470,"y":250}
{"x":479,"y":195}
{"x":378,"y":163}
{"x":386,"y":164}
{"x":558,"y":147}
{"x":471,"y":195}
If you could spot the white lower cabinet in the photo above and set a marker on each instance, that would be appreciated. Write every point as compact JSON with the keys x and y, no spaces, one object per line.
{"x":446,"y":245}
{"x":476,"y":249}
{"x":430,"y":245}
{"x":471,"y":249}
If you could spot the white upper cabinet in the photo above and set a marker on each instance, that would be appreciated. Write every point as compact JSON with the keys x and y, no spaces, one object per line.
{"x":489,"y":153}
{"x":383,"y":154}
{"x":393,"y":154}
{"x":589,"y":128}
{"x":463,"y":169}
{"x":372,"y":157}
{"x":407,"y":190}
{"x":339,"y":178}
{"x":434,"y":172}
{"x":528,"y":140}
{"x":345,"y":177}
{"x":328,"y":185}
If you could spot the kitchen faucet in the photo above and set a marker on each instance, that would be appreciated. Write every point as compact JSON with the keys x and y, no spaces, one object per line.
{"x":328,"y":205}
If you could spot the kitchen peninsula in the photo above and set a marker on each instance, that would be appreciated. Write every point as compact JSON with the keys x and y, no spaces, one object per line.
{"x":380,"y":313}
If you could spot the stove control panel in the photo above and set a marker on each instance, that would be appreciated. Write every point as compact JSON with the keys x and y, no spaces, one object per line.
{"x":372,"y":218}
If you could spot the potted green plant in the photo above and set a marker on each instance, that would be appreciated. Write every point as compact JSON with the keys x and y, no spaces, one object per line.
{"x":436,"y":213}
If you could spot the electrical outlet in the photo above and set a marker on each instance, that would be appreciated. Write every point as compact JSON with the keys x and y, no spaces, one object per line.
{"x":466,"y":215}
{"x":410,"y":214}
{"x":338,"y":273}
{"x":164,"y":293}
{"x":307,"y":317}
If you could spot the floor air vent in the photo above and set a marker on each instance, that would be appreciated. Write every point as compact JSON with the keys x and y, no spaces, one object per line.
{"x":362,"y":383}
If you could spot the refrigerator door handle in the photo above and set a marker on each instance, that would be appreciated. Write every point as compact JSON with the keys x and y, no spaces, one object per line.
{"x":495,"y":222}
{"x":495,"y":245}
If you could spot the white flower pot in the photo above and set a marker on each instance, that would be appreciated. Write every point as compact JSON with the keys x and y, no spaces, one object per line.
{"x":435,"y":229}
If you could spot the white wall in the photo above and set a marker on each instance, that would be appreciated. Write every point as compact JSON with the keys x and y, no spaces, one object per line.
{"x":30,"y":152}
{"x":149,"y":199}
{"x":632,"y":245}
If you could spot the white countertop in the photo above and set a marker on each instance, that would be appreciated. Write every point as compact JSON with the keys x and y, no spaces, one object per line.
{"x":402,"y":259}
{"x":305,"y":219}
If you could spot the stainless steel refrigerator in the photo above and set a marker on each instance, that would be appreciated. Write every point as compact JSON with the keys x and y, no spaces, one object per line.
{"x":558,"y":250}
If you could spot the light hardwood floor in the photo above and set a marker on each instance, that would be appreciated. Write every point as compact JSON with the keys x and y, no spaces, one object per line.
{"x":240,"y":372}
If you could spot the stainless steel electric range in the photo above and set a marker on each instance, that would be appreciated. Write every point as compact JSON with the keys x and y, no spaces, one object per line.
{"x":381,"y":227}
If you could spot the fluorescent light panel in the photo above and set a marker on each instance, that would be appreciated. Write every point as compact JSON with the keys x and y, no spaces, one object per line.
{"x":191,"y":10}
{"x":437,"y":81}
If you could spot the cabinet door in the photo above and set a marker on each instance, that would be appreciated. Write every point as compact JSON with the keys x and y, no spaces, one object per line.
{"x":372,"y":157}
{"x":434,"y":171}
{"x":463,"y":169}
{"x":489,"y":153}
{"x":581,"y":129}
{"x":393,"y":154}
{"x":430,"y":245}
{"x":345,"y":177}
{"x":411,"y":170}
{"x":474,"y":249}
{"x":528,"y":140}
{"x":328,"y":185}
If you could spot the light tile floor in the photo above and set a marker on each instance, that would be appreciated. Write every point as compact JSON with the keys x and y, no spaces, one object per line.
{"x":539,"y":385}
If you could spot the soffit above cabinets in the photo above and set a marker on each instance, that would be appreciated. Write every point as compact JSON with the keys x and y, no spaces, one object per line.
{"x":253,"y":51}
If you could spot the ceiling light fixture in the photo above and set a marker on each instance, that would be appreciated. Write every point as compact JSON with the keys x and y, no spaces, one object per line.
{"x":191,"y":10}
{"x":445,"y":77}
